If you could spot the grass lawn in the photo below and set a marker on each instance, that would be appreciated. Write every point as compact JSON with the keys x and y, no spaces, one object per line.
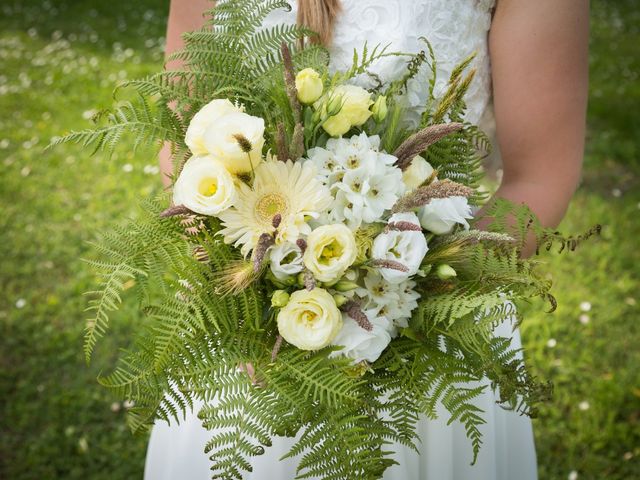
{"x":59,"y":61}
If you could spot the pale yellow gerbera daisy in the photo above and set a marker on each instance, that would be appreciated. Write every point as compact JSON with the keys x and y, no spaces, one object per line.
{"x":285,"y":188}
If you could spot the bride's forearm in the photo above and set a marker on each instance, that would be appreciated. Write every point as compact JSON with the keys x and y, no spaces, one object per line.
{"x":184,"y":16}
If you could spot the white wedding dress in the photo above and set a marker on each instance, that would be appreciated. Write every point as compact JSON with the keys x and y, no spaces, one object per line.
{"x":455,"y":28}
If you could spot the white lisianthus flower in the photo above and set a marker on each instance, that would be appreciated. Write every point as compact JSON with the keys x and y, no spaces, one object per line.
{"x":407,"y":248}
{"x":224,"y":138}
{"x":308,"y":85}
{"x":310,"y":320}
{"x":203,"y":119}
{"x":285,"y":260}
{"x":204,"y":186}
{"x":331,"y":249}
{"x":360,"y":344}
{"x":440,"y":215}
{"x":417,"y":173}
{"x":354,"y":112}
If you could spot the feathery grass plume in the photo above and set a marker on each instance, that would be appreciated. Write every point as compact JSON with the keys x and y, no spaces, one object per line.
{"x":402,"y":227}
{"x":392,"y":264}
{"x":290,"y":83}
{"x":354,"y":310}
{"x":423,"y":195}
{"x":282,"y":151}
{"x":302,"y":245}
{"x":243,"y":142}
{"x":457,"y":246}
{"x":276,"y":348}
{"x":420,"y":141}
{"x":176,"y":210}
{"x":276,"y":221}
{"x":265,"y":241}
{"x":308,"y":280}
{"x":297,"y":142}
{"x":235,"y":277}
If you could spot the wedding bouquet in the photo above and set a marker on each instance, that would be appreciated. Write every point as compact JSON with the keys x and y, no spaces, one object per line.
{"x":316,"y":271}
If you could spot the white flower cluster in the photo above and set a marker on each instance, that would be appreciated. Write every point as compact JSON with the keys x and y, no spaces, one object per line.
{"x":363,"y":180}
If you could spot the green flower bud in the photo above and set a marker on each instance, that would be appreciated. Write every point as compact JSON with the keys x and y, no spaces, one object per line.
{"x":379,"y":109}
{"x":339,"y":299}
{"x":345,"y":286}
{"x":279,"y":298}
{"x":445,"y":272}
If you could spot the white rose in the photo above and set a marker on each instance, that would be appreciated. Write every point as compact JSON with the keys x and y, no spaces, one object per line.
{"x":417,"y":173}
{"x":311,"y":319}
{"x":331,"y":249}
{"x":221,"y":140}
{"x":203,"y":119}
{"x":407,"y":247}
{"x":285,"y":260}
{"x":204,"y":186}
{"x":360,"y":344}
{"x":355,"y":111}
{"x":440,"y":215}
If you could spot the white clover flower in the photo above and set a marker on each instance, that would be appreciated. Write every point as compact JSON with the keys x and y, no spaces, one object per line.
{"x":440,"y":215}
{"x":407,"y":248}
{"x":285,"y":260}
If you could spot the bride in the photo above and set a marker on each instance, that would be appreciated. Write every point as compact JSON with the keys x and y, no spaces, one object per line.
{"x":531,"y":91}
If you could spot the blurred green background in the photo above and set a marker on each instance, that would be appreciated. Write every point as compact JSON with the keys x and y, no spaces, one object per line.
{"x":58,"y":63}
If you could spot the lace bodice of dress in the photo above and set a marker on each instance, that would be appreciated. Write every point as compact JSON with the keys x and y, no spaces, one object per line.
{"x":455,"y":29}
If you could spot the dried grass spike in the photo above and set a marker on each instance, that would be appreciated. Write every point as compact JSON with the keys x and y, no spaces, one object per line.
{"x":419,"y":141}
{"x":353,"y":309}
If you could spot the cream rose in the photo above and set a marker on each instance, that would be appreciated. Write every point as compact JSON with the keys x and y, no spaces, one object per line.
{"x":224,"y":139}
{"x":309,"y":85}
{"x":354,"y":112}
{"x":331,"y":249}
{"x":203,"y":119}
{"x":204,"y":186}
{"x":417,"y":173}
{"x":310,"y":320}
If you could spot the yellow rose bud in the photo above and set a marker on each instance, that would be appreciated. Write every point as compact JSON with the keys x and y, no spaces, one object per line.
{"x":331,"y":249}
{"x":279,"y":298}
{"x":309,"y":85}
{"x":311,"y":319}
{"x":354,"y":110}
{"x":379,"y":109}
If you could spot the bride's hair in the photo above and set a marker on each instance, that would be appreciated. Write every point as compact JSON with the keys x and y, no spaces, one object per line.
{"x":319,"y":16}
